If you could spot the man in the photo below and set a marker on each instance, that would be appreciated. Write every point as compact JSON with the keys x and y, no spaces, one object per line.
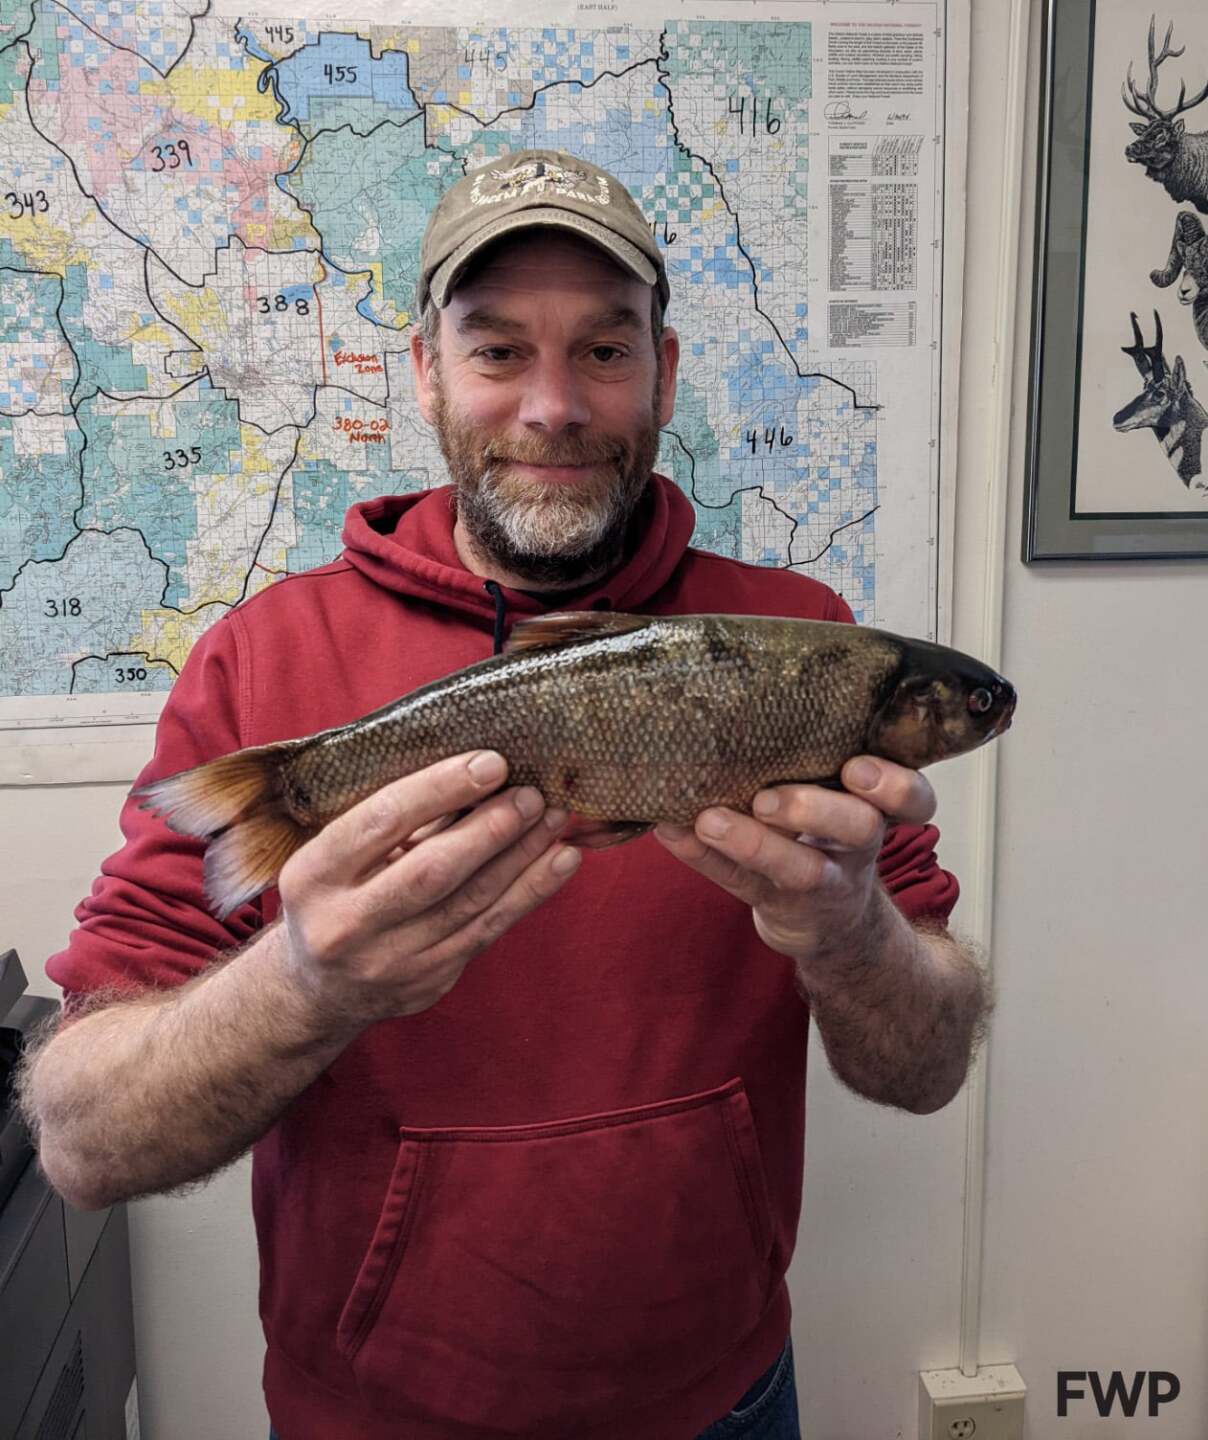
{"x":554,"y":1191}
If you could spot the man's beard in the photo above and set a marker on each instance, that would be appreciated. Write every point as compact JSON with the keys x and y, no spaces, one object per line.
{"x":549,"y":534}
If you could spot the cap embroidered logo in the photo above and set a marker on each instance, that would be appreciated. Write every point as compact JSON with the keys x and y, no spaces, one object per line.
{"x":534,"y":177}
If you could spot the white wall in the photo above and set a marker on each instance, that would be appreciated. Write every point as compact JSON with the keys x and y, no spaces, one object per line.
{"x":1096,"y":1215}
{"x":1096,"y":1225}
{"x":1096,"y":1228}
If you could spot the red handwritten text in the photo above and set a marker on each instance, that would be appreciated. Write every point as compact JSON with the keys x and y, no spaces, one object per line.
{"x":365,"y":364}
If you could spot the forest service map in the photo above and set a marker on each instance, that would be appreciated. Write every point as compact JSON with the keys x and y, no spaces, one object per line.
{"x":209,"y":231}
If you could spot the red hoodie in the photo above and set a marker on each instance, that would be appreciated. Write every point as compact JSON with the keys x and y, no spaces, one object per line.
{"x":562,"y":1201}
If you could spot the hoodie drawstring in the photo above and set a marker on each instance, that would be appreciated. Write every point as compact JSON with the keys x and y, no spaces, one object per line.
{"x":495,"y":591}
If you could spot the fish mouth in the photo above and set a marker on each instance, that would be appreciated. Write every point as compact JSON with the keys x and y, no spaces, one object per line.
{"x":1000,"y":727}
{"x":1003,"y":723}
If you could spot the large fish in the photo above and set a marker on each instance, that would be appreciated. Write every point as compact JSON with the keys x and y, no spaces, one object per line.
{"x":627,"y":720}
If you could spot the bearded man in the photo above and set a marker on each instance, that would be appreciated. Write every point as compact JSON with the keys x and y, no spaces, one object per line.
{"x":554,"y":1191}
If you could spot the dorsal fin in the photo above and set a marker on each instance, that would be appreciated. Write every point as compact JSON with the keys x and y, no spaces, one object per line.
{"x":566,"y":627}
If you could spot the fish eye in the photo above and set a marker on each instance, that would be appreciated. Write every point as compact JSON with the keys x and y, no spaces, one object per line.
{"x":980,"y":700}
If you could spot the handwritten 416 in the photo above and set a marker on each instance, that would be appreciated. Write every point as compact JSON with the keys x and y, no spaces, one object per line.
{"x":746,"y":107}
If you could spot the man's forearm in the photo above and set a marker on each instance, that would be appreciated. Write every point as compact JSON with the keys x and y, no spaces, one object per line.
{"x":148,"y":1094}
{"x":899,"y":1009}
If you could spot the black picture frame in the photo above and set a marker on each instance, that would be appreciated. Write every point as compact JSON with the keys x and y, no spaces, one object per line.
{"x":1052,"y":530}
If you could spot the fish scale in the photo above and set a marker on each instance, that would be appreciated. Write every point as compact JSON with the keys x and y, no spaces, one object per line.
{"x":626,"y":720}
{"x":626,"y":726}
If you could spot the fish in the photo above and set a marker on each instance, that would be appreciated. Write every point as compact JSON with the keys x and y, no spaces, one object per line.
{"x":625,"y":720}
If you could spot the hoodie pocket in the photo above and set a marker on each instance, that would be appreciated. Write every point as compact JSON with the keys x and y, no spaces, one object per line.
{"x":533,"y":1278}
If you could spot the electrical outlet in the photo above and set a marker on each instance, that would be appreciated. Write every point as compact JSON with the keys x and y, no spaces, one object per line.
{"x":985,"y":1406}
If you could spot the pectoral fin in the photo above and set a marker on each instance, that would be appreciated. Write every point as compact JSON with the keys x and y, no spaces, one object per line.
{"x":600,"y":834}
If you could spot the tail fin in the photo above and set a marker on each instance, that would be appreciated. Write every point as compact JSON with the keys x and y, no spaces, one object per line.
{"x":248,"y":857}
{"x":237,"y":803}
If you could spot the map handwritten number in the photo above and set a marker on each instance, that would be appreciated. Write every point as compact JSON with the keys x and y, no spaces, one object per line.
{"x":281,"y":302}
{"x":283,"y":34}
{"x":771,"y":123}
{"x":482,"y":55}
{"x":769,"y":439}
{"x":340,"y":74}
{"x":61,"y":609}
{"x":123,"y":674}
{"x":29,"y":202}
{"x":168,"y":155}
{"x":179,"y":459}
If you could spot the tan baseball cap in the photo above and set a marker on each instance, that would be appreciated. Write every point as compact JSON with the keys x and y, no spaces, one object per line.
{"x":534,"y":187}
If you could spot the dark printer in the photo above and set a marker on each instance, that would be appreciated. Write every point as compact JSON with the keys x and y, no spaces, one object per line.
{"x":66,"y":1321}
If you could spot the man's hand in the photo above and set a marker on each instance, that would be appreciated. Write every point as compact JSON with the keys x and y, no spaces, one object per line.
{"x":384,"y":908}
{"x":899,"y":1008}
{"x":806,"y":862}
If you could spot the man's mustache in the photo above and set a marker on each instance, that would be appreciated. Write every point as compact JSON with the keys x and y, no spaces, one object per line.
{"x":568,"y":451}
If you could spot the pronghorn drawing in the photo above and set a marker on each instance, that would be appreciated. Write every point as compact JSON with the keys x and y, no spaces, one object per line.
{"x":1175,"y":159}
{"x":1166,"y":406}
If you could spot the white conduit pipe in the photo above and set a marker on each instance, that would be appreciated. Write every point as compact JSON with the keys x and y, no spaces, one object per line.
{"x":996,"y":480}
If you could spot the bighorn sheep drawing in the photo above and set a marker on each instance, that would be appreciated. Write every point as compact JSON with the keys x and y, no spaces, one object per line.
{"x":1188,"y":257}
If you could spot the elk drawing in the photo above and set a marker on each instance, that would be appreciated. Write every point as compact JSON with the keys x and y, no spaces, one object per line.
{"x":1188,"y":257}
{"x":1165,"y":405}
{"x":1171,"y":156}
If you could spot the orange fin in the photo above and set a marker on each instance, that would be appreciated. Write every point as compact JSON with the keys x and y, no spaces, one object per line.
{"x":600,"y":834}
{"x":567,"y":627}
{"x":208,"y":798}
{"x":248,"y":857}
{"x":236,"y":803}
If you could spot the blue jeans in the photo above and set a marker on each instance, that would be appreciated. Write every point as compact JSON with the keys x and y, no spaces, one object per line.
{"x":768,"y":1411}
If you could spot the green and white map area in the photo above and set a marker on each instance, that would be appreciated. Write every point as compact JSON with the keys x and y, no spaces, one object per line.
{"x":209,"y":230}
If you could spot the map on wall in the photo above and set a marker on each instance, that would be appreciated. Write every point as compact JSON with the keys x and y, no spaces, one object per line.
{"x":209,"y":233}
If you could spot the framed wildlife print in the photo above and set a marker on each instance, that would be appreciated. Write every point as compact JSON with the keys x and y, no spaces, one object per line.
{"x":1117,"y":457}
